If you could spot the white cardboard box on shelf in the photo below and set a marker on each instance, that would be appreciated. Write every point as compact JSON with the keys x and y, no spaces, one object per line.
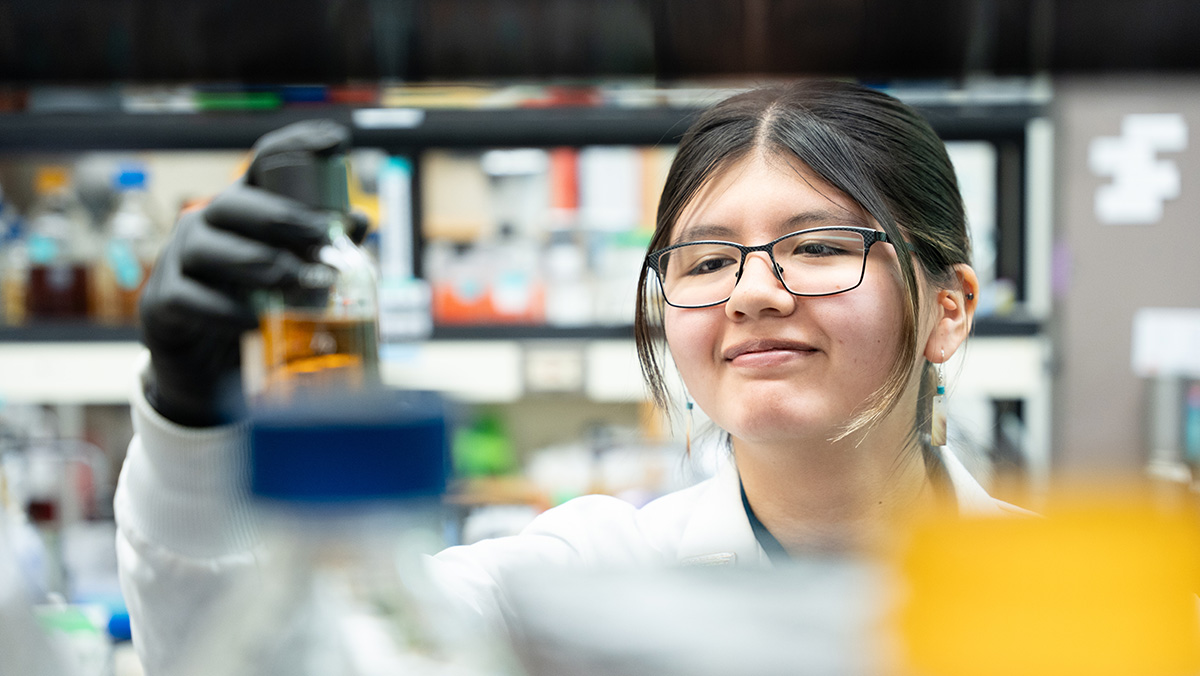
{"x":69,"y":373}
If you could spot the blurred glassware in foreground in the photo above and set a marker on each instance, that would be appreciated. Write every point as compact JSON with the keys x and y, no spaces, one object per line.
{"x":349,"y":494}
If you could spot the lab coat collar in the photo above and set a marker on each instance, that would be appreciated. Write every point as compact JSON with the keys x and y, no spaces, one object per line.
{"x":972,"y":499}
{"x":719,"y":532}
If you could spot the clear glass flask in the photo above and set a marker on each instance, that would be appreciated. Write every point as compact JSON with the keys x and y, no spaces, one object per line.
{"x":324,"y":333}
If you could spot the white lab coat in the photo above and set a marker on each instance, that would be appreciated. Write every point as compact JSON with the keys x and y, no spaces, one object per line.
{"x":187,"y":535}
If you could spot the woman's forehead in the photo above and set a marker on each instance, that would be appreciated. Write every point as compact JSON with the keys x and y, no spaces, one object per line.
{"x":778,"y":184}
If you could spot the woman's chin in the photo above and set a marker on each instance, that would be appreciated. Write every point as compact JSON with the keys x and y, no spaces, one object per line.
{"x":769,"y":426}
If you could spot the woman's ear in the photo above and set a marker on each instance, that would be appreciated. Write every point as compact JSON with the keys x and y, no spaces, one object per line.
{"x":954,"y":312}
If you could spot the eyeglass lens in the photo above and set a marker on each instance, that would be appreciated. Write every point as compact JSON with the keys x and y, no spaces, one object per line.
{"x":810,"y":263}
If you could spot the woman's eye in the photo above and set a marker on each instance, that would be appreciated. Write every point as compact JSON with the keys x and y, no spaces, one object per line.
{"x":818,"y":248}
{"x":710,"y":265}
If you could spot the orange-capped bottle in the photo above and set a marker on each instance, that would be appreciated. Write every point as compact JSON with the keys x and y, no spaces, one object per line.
{"x":60,"y":248}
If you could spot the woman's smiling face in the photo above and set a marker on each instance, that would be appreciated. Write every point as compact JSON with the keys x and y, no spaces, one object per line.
{"x":768,"y":366}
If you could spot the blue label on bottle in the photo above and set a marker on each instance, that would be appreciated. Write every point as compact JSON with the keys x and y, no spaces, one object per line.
{"x":42,"y":249}
{"x":124,"y":265}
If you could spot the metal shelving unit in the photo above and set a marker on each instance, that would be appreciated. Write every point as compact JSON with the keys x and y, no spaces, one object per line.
{"x":80,"y":363}
{"x":409,"y":131}
{"x":392,"y":129}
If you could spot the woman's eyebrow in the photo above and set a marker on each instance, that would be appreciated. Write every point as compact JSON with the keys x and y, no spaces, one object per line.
{"x":695,"y":233}
{"x":823,"y":217}
{"x":806,"y":219}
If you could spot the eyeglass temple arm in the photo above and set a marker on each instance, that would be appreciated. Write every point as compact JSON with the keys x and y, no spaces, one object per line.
{"x":881,"y":236}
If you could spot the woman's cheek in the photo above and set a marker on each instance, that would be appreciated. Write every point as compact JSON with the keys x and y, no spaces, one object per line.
{"x":691,"y":340}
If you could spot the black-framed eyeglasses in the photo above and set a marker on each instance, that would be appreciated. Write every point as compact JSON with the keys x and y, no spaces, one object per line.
{"x":814,"y":262}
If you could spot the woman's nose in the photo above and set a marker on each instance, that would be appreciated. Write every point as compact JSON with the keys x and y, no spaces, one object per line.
{"x":759,"y":290}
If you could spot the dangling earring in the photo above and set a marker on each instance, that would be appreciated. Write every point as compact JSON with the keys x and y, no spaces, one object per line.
{"x":688,"y":430}
{"x":937,"y":430}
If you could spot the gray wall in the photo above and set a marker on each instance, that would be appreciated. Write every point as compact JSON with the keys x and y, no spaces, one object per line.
{"x":1104,"y":273}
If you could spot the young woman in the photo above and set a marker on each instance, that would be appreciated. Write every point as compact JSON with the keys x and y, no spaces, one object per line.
{"x":809,"y":268}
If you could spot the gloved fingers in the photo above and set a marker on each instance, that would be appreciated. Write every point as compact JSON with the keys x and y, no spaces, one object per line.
{"x":224,"y":259}
{"x":186,"y":302}
{"x":273,"y":219}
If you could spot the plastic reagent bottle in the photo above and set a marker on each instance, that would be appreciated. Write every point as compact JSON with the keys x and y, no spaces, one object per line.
{"x":132,"y":243}
{"x":325,"y":332}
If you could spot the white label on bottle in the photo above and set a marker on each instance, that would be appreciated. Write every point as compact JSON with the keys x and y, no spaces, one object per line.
{"x":388,"y":118}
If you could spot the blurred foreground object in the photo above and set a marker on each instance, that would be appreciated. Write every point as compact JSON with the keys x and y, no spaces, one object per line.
{"x":349,"y":489}
{"x":817,"y":617}
{"x":24,"y":646}
{"x":1105,"y":584}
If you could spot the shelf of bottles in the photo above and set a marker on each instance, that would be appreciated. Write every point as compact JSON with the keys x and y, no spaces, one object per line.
{"x":498,"y":216}
{"x":74,"y":260}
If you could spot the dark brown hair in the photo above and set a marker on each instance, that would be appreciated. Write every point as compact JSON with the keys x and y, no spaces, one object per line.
{"x":875,"y":149}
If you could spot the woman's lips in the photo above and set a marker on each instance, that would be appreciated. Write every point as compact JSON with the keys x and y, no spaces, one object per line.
{"x":760,"y":353}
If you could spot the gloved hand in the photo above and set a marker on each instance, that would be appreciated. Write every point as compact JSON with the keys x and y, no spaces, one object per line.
{"x":197,"y":302}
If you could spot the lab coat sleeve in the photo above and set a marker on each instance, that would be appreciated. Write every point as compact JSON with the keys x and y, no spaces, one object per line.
{"x":188,"y":539}
{"x":593,"y":531}
{"x":185,"y":533}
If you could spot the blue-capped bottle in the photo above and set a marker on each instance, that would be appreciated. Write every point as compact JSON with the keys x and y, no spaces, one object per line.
{"x":132,"y":239}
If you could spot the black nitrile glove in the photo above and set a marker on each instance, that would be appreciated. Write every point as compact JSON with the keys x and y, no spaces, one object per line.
{"x":197,"y":303}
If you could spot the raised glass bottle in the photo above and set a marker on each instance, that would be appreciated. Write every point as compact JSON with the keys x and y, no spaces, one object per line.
{"x":323,"y":333}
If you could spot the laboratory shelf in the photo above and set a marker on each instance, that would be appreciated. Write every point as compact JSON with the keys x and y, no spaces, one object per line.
{"x":75,"y":331}
{"x":66,"y":372}
{"x":84,"y":332}
{"x":530,"y":332}
{"x":1008,"y":357}
{"x":401,"y":129}
{"x":387,"y":128}
{"x":992,"y":327}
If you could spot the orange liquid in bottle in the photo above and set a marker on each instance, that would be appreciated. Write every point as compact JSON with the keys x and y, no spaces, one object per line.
{"x":114,"y":303}
{"x":305,"y":350}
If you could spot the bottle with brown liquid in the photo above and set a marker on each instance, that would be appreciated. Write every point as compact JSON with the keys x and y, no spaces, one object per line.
{"x":59,"y":251}
{"x":324,"y":336}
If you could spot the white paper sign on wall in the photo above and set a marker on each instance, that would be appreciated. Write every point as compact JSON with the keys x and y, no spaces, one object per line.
{"x":1166,"y":342}
{"x":1141,"y":181}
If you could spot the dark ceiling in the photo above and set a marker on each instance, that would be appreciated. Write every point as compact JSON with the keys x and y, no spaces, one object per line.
{"x":421,"y":40}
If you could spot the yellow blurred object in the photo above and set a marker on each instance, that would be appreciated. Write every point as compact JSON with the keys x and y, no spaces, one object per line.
{"x":50,"y":179}
{"x":1098,"y":587}
{"x":463,"y":95}
{"x":362,"y":201}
